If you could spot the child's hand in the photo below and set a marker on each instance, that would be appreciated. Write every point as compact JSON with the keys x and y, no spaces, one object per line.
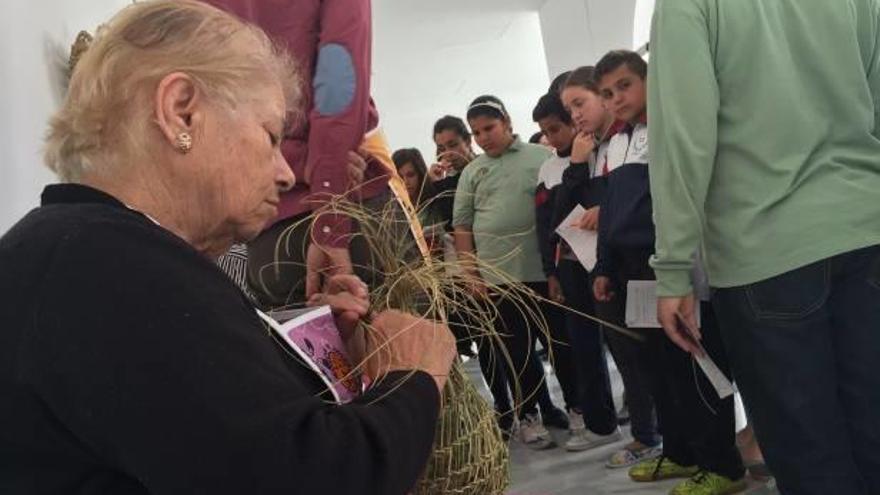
{"x":476,"y":285}
{"x":356,"y":165}
{"x":589,"y":220}
{"x":583,"y":146}
{"x":602,"y":289}
{"x":554,"y":289}
{"x":438,"y":171}
{"x":677,"y":315}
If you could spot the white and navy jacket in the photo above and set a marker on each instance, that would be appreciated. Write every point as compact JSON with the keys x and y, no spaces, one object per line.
{"x":549,"y":181}
{"x":626,"y":216}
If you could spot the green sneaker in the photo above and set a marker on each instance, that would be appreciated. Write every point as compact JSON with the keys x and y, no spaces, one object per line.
{"x":660,"y":468}
{"x":706,"y":483}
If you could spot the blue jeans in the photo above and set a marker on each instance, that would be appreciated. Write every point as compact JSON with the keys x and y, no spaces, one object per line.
{"x":805,"y":352}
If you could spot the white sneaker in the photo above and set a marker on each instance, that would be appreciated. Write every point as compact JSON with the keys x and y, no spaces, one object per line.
{"x":575,"y":422}
{"x":533,"y":434}
{"x":586,"y":439}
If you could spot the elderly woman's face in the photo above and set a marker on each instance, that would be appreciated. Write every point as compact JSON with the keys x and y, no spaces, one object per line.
{"x":249,"y":171}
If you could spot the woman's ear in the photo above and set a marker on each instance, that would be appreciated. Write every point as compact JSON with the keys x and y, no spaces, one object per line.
{"x":176,"y":106}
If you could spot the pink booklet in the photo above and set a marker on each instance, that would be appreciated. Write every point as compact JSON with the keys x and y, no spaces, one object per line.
{"x":312,"y":334}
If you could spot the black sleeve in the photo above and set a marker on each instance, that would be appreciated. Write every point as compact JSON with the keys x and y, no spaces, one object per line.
{"x":574,"y":180}
{"x":545,"y":229}
{"x":149,"y":355}
{"x":443,"y":197}
{"x":604,"y":260}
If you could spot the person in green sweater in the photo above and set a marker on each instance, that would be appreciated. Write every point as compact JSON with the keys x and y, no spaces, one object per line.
{"x":765,"y":154}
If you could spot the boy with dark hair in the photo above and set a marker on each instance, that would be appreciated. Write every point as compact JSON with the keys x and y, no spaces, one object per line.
{"x":698,"y":429}
{"x":592,"y":418}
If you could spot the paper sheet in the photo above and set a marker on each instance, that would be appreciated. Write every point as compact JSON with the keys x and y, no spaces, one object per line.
{"x":582,"y":242}
{"x":641,"y":312}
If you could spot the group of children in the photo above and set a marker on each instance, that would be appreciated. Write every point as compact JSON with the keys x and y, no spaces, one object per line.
{"x":504,"y":207}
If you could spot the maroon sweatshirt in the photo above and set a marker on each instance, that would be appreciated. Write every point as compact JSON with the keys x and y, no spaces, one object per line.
{"x":330,"y":41}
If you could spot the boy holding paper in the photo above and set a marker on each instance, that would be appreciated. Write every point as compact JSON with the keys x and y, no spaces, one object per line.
{"x":697,"y":426}
{"x":593,"y":422}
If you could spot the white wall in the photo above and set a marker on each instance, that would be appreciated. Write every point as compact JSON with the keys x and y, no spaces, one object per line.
{"x":428,"y":62}
{"x":642,"y":22}
{"x":579,"y":32}
{"x":35,"y":37}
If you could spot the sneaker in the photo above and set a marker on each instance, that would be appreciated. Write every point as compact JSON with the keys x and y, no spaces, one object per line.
{"x":555,"y":418}
{"x":586,"y":439}
{"x":533,"y":434}
{"x":632,"y":454}
{"x":623,"y":415}
{"x":505,"y":424}
{"x":575,"y":421}
{"x":706,"y":483}
{"x":661,"y":468}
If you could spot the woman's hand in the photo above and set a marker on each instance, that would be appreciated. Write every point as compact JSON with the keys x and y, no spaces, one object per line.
{"x":398,"y":341}
{"x":348,"y":299}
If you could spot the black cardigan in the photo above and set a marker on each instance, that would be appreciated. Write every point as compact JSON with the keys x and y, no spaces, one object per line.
{"x":129,"y":363}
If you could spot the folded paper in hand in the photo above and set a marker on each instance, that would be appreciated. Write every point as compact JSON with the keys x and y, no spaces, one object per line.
{"x":582,"y":242}
{"x":641,"y":312}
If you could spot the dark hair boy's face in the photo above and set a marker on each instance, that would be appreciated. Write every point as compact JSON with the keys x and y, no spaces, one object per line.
{"x":559,"y":134}
{"x":624,"y":94}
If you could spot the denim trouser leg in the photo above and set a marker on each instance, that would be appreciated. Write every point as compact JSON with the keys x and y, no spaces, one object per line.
{"x":805,"y":350}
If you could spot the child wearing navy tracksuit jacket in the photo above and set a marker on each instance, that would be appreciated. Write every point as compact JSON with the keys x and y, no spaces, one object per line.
{"x":697,"y":427}
{"x":592,"y":418}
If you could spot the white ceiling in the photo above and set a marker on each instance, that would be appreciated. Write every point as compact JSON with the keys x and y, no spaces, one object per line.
{"x":433,"y":58}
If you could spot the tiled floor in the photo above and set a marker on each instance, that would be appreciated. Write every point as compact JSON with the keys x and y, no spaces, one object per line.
{"x":558,"y":472}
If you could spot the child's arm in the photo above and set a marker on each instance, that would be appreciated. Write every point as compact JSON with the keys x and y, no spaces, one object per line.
{"x":683,"y":101}
{"x":544,"y":228}
{"x":462,"y":221}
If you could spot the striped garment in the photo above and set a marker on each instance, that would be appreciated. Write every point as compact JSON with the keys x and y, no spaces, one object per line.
{"x":234,"y":264}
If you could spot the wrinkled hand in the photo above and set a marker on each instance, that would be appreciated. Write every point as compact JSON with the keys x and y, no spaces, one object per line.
{"x":348,"y":298}
{"x":602,"y":289}
{"x":401,"y":342}
{"x":322,"y":263}
{"x":583,"y":146}
{"x":356,"y":165}
{"x":678,"y":318}
{"x":554,"y":289}
{"x":589,"y":220}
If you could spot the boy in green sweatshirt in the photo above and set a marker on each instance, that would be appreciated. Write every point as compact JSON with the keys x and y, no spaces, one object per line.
{"x":765,"y":154}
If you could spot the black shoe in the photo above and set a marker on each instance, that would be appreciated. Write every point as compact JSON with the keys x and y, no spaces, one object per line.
{"x":555,"y":418}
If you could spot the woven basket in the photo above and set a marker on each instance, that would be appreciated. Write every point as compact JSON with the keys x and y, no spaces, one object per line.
{"x":470,"y":456}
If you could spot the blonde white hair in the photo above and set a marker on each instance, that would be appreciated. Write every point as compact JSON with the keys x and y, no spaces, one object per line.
{"x":107,"y":114}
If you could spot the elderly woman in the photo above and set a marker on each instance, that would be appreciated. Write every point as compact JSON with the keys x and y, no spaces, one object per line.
{"x":129,"y":363}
